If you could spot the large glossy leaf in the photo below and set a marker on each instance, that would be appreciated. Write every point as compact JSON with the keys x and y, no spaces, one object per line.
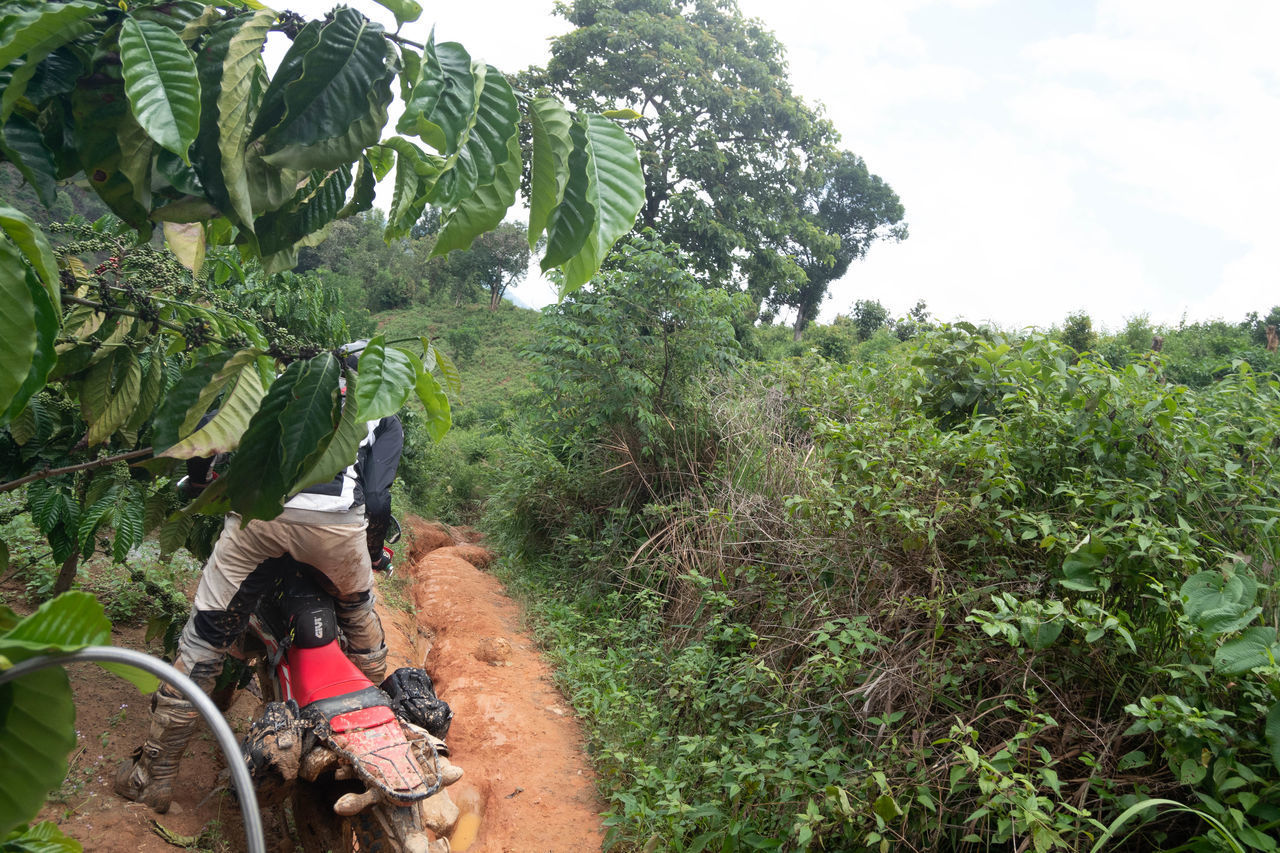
{"x":39,"y":715}
{"x":362,"y":198}
{"x":241,"y":70}
{"x":497,"y":120}
{"x":20,"y":32}
{"x":382,"y":158}
{"x":46,"y":354}
{"x":340,"y":449}
{"x":174,"y":15}
{"x":182,"y":400}
{"x":123,"y":399}
{"x":317,"y":205}
{"x":311,"y":416}
{"x":457,"y":180}
{"x":37,"y":709}
{"x":387,"y":376}
{"x":615,"y":188}
{"x":437,"y":360}
{"x":406,"y":11}
{"x":573,"y":219}
{"x":57,"y":74}
{"x":98,"y":107}
{"x":18,"y":334}
{"x":23,"y":145}
{"x":328,"y":100}
{"x":244,"y":391}
{"x":337,"y":151}
{"x":299,"y":411}
{"x":270,"y":187}
{"x":443,"y":104}
{"x":436,"y":402}
{"x":44,"y":837}
{"x":136,"y":155}
{"x":549,"y":167}
{"x":33,"y":68}
{"x":416,"y":172}
{"x":211,"y":67}
{"x":227,"y":372}
{"x":160,"y":80}
{"x":31,"y":240}
{"x":486,"y":207}
{"x":71,"y":621}
{"x":153,"y":383}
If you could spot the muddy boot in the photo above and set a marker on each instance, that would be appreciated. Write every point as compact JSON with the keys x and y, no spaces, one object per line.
{"x":439,"y":814}
{"x":373,"y":664}
{"x":148,"y":776}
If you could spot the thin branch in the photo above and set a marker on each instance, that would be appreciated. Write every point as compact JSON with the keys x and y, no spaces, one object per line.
{"x":103,"y":308}
{"x":71,"y":469}
{"x":402,"y":40}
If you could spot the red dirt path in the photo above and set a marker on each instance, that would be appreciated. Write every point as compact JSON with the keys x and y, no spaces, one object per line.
{"x":512,"y":732}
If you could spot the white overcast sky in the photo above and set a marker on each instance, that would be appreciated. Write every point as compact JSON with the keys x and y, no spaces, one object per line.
{"x":1117,"y":156}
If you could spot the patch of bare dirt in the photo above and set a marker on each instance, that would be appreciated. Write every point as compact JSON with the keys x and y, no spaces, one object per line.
{"x":513,"y":734}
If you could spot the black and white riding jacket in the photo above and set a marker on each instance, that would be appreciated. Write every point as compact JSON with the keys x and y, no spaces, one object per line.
{"x":365,"y":483}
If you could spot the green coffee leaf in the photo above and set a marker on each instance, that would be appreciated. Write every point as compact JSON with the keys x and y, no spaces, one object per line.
{"x":38,"y":733}
{"x":18,"y":332}
{"x":615,"y":190}
{"x":387,"y":378}
{"x":549,"y":169}
{"x":406,"y":11}
{"x":240,"y":383}
{"x":328,"y":101}
{"x":298,"y":412}
{"x":160,"y":80}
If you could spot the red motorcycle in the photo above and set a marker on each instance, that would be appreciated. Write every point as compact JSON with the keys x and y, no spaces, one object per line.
{"x":363,"y":767}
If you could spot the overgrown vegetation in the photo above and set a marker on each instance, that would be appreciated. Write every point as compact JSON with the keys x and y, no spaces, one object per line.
{"x":970,"y":591}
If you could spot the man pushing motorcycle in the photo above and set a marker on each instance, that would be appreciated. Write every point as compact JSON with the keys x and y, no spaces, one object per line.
{"x":337,"y":527}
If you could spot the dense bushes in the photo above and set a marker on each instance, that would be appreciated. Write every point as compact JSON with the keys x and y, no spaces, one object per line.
{"x":974,"y":594}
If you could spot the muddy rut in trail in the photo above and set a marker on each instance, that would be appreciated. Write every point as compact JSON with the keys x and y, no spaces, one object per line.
{"x":512,"y":733}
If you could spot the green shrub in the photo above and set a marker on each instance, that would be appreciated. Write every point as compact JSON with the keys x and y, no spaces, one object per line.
{"x":978,"y":594}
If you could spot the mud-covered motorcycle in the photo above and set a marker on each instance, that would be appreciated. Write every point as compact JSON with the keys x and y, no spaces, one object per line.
{"x":363,"y":767}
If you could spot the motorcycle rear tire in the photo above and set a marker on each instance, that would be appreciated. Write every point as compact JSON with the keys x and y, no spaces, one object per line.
{"x":322,"y":831}
{"x":319,"y":829}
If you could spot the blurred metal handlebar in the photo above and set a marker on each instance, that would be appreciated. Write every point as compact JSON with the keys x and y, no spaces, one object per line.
{"x":221,"y":731}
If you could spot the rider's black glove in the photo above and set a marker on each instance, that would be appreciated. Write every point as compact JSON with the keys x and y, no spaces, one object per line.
{"x":382,"y":563}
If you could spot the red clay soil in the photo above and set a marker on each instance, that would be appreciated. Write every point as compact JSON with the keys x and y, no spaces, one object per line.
{"x":513,"y":734}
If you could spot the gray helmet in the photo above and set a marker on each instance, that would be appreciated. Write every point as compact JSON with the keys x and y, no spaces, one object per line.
{"x":351,"y":352}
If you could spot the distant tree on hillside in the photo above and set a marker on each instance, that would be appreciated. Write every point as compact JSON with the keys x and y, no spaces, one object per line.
{"x":740,"y":172}
{"x":868,"y":317}
{"x":853,"y":208}
{"x":494,"y":262}
{"x":1256,"y":325}
{"x":1077,"y":332}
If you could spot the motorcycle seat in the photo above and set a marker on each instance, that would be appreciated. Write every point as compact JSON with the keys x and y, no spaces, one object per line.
{"x":323,"y":673}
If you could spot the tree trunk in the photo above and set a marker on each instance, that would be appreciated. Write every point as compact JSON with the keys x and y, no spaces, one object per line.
{"x":802,"y":320}
{"x":67,"y":574}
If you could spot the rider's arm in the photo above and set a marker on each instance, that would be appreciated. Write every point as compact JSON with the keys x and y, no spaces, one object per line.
{"x":380,"y":469}
{"x":200,"y":469}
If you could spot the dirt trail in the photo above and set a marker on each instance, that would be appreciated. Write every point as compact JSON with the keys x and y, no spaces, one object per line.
{"x":512,"y":732}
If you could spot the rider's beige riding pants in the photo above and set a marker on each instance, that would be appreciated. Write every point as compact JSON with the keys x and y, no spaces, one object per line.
{"x":339,"y":551}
